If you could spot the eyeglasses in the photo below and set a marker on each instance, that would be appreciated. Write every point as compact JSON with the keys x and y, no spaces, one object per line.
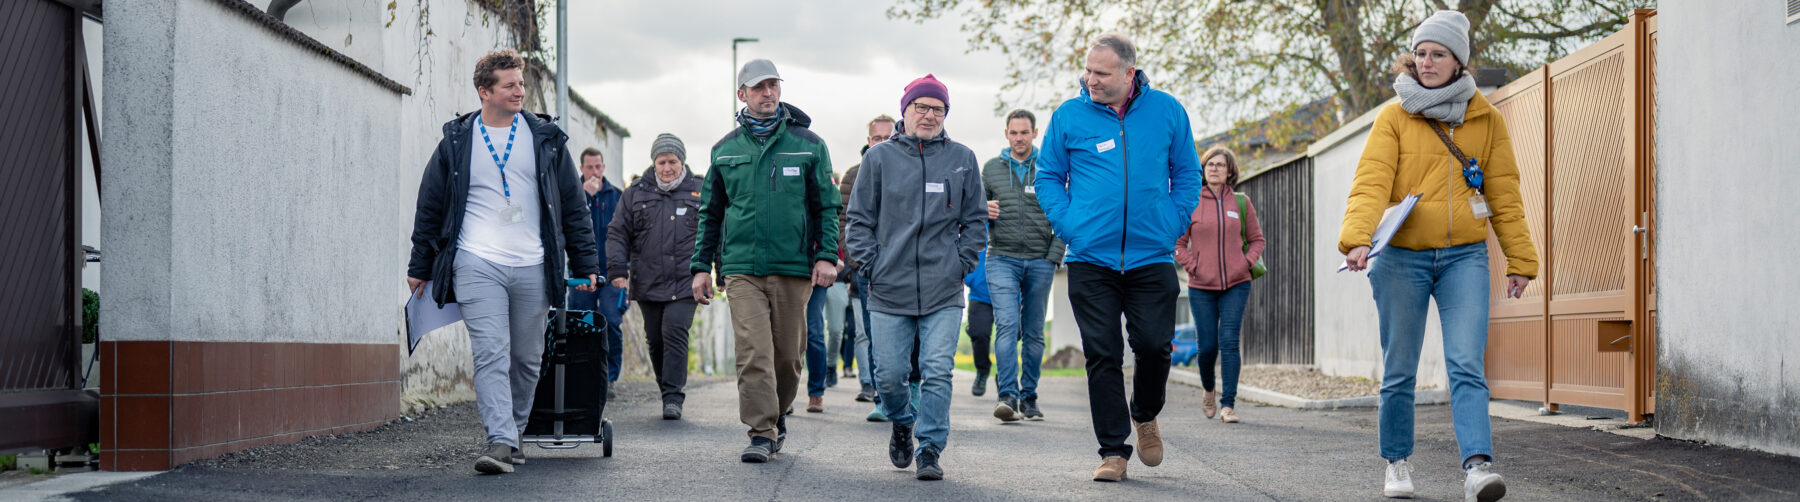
{"x":1433,"y":55}
{"x":923,"y":109}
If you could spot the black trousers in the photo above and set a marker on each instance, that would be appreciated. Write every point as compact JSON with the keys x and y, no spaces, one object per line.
{"x":1146,"y":296}
{"x":981,"y":334}
{"x":849,"y":345}
{"x":666,"y":331}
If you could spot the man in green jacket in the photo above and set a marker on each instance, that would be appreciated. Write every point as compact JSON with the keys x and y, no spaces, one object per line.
{"x":768,"y":225}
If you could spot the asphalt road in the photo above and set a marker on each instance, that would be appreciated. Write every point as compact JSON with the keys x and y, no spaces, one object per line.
{"x":1276,"y":454}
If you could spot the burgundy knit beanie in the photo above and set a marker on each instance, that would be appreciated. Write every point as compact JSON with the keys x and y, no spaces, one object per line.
{"x":925,"y":87}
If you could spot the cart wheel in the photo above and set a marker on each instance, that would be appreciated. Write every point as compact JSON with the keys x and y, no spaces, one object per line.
{"x":606,"y":437}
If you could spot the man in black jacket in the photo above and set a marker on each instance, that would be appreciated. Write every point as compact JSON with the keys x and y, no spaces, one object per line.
{"x":487,"y":236}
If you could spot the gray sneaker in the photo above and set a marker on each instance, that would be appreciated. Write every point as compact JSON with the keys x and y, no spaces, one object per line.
{"x":671,"y":411}
{"x":495,"y":459}
{"x":1482,"y":485}
{"x":1008,"y":410}
{"x":518,"y":456}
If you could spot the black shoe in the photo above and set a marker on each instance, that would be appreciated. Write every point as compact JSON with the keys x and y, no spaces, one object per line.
{"x":866,"y":396}
{"x":928,"y":465}
{"x":980,"y":386}
{"x":900,"y":448}
{"x":1031,"y":409}
{"x":1007,"y":410}
{"x":759,"y":450}
{"x":671,"y":411}
{"x":780,"y":434}
{"x":495,"y":459}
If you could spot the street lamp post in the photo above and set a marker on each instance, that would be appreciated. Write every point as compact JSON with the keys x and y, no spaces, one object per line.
{"x":734,"y":68}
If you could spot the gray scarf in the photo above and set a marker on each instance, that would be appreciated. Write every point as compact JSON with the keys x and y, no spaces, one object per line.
{"x":1445,"y":104}
{"x":679,"y":177}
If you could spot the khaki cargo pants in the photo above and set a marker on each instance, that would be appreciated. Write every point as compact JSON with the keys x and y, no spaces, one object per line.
{"x":768,"y":322}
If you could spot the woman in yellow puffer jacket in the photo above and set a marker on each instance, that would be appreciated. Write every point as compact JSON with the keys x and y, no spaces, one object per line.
{"x":1441,"y":250}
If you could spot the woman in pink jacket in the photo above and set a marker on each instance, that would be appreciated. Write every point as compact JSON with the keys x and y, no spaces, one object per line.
{"x":1221,"y":243}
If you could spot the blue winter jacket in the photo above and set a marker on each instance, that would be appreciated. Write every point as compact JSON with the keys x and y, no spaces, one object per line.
{"x":977,"y":281}
{"x":602,"y":204}
{"x":1119,"y":218}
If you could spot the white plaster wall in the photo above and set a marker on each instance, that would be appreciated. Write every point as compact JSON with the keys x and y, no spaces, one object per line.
{"x":249,"y":173}
{"x":1728,"y":357}
{"x":1347,"y":332}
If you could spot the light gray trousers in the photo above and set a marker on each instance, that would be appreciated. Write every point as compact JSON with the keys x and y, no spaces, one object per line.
{"x":505,"y":310}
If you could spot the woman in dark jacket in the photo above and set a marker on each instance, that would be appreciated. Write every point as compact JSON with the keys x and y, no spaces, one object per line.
{"x":648,"y":245}
{"x":1222,"y":242}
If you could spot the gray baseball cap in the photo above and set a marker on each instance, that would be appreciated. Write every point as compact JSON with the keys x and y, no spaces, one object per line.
{"x":756,"y":71}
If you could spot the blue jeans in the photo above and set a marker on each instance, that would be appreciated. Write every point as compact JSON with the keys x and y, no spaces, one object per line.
{"x":1020,"y":289}
{"x":1217,"y":317}
{"x":1405,"y":281}
{"x":816,"y":369}
{"x":935,"y":335}
{"x":604,"y":303}
{"x":865,"y":365}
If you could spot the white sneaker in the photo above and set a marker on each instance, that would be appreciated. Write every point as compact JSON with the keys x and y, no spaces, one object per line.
{"x":1399,"y":480}
{"x":1482,"y":485}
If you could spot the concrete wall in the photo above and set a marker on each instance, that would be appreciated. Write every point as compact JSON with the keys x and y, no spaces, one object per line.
{"x":1728,"y":367}
{"x":245,"y":174}
{"x":1347,"y":336}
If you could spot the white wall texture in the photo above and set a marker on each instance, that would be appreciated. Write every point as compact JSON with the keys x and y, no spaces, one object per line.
{"x":245,"y":173}
{"x":1347,"y":332}
{"x":262,"y":192}
{"x":1725,"y":235}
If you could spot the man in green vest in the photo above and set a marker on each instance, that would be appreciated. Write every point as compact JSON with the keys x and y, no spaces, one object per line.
{"x":1022,"y":258}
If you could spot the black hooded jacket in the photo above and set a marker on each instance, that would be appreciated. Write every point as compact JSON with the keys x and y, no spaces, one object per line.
{"x":444,"y":198}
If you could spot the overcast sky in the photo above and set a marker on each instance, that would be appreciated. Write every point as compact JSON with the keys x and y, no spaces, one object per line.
{"x":665,"y":66}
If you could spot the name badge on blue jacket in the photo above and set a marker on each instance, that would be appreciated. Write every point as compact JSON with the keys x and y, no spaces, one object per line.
{"x":1103,"y":146}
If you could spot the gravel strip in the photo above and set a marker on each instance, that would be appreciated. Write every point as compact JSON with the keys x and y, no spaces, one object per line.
{"x":447,"y":437}
{"x":1306,"y":382}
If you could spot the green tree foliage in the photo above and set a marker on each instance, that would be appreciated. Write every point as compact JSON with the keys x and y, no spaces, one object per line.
{"x":1239,"y":59}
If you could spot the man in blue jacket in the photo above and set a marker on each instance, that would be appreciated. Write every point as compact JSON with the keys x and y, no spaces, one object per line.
{"x":1118,"y":176}
{"x":602,"y":201}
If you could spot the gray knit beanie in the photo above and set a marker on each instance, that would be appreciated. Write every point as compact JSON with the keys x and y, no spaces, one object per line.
{"x":1446,"y":27}
{"x":668,"y":143}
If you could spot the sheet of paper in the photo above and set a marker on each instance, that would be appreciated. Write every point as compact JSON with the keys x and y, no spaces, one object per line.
{"x":423,"y":316}
{"x":1390,"y":223}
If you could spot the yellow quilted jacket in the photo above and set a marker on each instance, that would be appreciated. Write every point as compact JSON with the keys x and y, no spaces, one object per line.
{"x":1403,"y":156}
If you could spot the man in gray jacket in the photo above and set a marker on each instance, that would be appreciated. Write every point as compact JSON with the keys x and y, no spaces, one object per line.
{"x":917,"y":222}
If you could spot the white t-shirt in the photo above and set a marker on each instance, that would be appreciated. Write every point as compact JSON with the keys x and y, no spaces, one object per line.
{"x":484,"y":230}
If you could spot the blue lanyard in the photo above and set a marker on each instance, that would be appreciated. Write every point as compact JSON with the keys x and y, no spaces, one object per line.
{"x":498,"y":159}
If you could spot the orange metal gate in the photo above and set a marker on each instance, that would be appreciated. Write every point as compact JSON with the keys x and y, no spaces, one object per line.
{"x":1583,"y":332}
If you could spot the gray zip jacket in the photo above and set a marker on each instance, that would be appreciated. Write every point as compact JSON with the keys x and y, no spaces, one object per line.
{"x":917,"y":223}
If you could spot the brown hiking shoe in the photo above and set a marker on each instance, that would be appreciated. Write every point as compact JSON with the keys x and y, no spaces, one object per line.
{"x":1149,"y":444}
{"x":1210,"y":404}
{"x":1111,"y":469}
{"x":1228,"y":416}
{"x":815,"y":404}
